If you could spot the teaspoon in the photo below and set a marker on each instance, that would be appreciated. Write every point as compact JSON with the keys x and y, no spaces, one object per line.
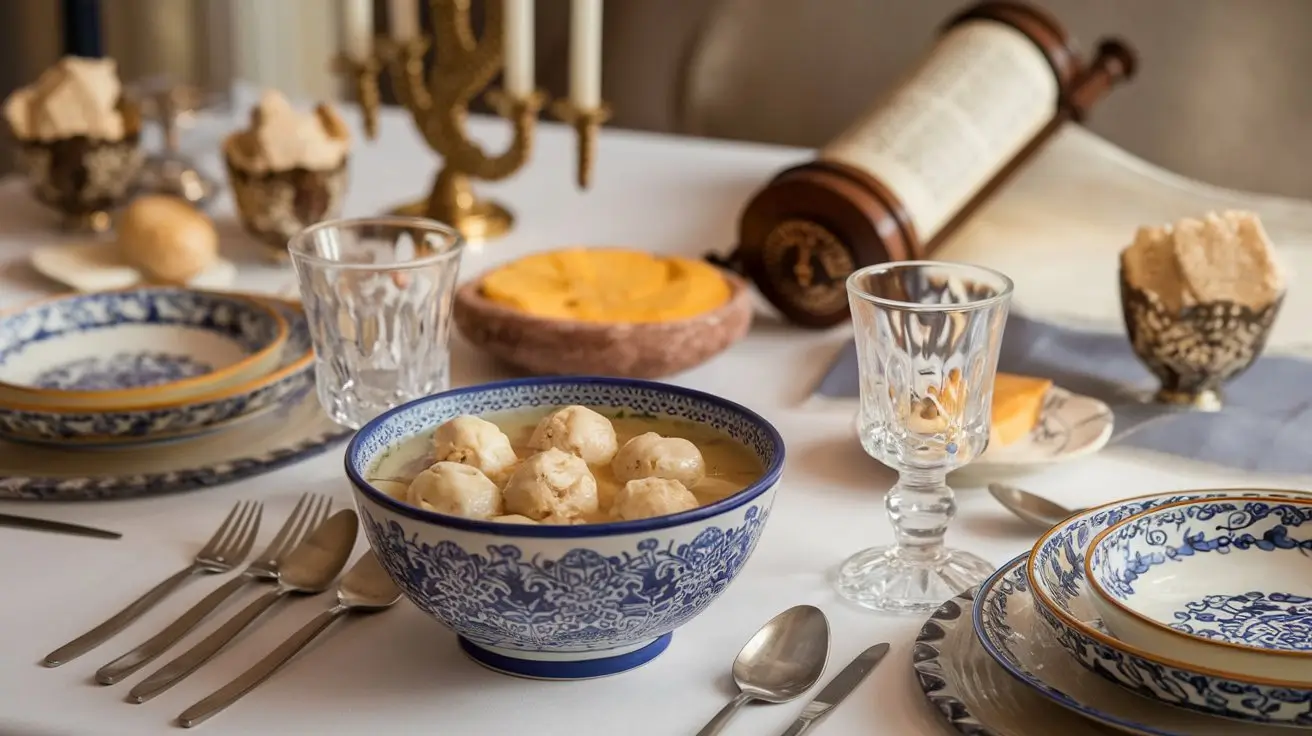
{"x":779,"y":663}
{"x":1034,"y":509}
{"x":366,"y":588}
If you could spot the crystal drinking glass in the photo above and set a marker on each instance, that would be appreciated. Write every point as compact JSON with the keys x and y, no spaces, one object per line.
{"x":927,"y":337}
{"x":377,"y":294}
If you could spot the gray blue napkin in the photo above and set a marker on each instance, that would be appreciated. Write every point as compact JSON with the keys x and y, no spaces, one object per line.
{"x":1265,"y":426}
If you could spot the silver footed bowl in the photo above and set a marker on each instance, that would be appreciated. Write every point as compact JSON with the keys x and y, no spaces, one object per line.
{"x":1194,"y":352}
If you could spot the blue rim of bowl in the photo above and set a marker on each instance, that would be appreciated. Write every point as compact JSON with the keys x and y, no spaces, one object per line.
{"x":1099,"y":591}
{"x":767,"y":480}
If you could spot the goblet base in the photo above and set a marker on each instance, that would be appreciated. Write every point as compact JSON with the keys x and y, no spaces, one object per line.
{"x":899,"y":580}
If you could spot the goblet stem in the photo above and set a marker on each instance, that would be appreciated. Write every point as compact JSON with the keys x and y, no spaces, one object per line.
{"x":919,"y":572}
{"x":921,"y":506}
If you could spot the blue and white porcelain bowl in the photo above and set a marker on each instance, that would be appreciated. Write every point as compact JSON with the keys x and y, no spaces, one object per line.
{"x":1222,"y":584}
{"x":291,"y":378}
{"x":1056,"y":573}
{"x":134,"y":347}
{"x":565,"y":602}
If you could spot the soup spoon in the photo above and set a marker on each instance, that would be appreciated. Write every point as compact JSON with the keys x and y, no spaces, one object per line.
{"x":1034,"y":509}
{"x":779,"y":663}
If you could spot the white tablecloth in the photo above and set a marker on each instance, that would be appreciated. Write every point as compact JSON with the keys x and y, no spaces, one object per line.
{"x":401,"y":673}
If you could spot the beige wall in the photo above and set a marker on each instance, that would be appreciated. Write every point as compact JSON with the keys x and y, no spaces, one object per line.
{"x":1222,"y":94}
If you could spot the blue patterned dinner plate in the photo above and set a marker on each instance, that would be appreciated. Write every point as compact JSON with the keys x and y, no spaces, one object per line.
{"x":1011,"y":632}
{"x":291,"y":433}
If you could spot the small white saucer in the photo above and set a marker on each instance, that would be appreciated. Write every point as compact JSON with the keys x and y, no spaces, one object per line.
{"x":99,"y":267}
{"x":1071,"y":425}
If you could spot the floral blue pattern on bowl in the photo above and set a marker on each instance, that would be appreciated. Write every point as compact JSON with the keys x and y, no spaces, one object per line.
{"x":1219,"y":584}
{"x":1007,"y":623}
{"x":1056,"y":576}
{"x":291,"y":378}
{"x":129,"y":348}
{"x":565,"y":602}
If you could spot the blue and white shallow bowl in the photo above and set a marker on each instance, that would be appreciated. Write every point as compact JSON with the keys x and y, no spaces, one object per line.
{"x":1009,"y":630}
{"x":1056,"y":578}
{"x":290,"y":379}
{"x":1221,"y":584}
{"x":565,"y":602}
{"x":134,"y":347}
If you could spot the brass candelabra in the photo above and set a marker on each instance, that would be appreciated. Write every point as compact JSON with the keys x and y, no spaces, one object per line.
{"x":438,"y":100}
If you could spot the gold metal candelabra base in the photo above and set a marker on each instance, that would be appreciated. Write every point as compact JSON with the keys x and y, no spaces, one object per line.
{"x":484,"y":221}
{"x":452,"y":201}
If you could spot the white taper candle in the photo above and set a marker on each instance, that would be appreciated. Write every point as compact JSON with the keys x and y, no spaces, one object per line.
{"x":518,"y":47}
{"x":585,"y":54}
{"x":357,"y":28}
{"x":403,"y":19}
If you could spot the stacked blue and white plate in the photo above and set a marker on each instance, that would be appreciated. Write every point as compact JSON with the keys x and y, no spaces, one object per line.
{"x":1178,"y":614}
{"x":127,"y":370}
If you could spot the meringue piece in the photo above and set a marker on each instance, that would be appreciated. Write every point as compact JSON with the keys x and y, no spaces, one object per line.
{"x":75,"y":97}
{"x":577,"y":430}
{"x":457,"y":490}
{"x":650,"y":455}
{"x":475,"y":442}
{"x":645,"y":498}
{"x":552,"y":483}
{"x":282,"y":138}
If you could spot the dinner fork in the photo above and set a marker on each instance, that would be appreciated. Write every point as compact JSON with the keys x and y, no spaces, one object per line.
{"x":310,"y":511}
{"x":223,"y":552}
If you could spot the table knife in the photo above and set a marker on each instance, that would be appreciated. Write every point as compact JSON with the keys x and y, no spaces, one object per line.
{"x":837,"y":689}
{"x":46,"y":525}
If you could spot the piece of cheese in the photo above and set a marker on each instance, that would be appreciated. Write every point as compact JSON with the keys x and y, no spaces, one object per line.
{"x":1017,"y":405}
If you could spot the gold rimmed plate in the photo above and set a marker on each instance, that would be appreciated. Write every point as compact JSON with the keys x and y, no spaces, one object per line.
{"x":135,"y":347}
{"x":168,"y":420}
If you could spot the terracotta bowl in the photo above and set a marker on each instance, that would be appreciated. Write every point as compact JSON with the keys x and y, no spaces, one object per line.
{"x":546,"y":346}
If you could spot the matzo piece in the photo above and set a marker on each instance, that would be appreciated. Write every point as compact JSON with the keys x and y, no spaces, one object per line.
{"x":18,"y":111}
{"x":1150,"y":265}
{"x":1229,"y":258}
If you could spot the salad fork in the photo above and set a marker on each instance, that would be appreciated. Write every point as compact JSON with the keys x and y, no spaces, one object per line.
{"x":223,"y":552}
{"x":310,"y":511}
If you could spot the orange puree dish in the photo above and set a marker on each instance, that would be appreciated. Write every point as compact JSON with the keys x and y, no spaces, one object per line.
{"x":607,"y":285}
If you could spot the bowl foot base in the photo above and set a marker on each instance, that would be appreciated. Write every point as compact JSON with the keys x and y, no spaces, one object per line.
{"x":587,"y":666}
{"x":1207,"y":400}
